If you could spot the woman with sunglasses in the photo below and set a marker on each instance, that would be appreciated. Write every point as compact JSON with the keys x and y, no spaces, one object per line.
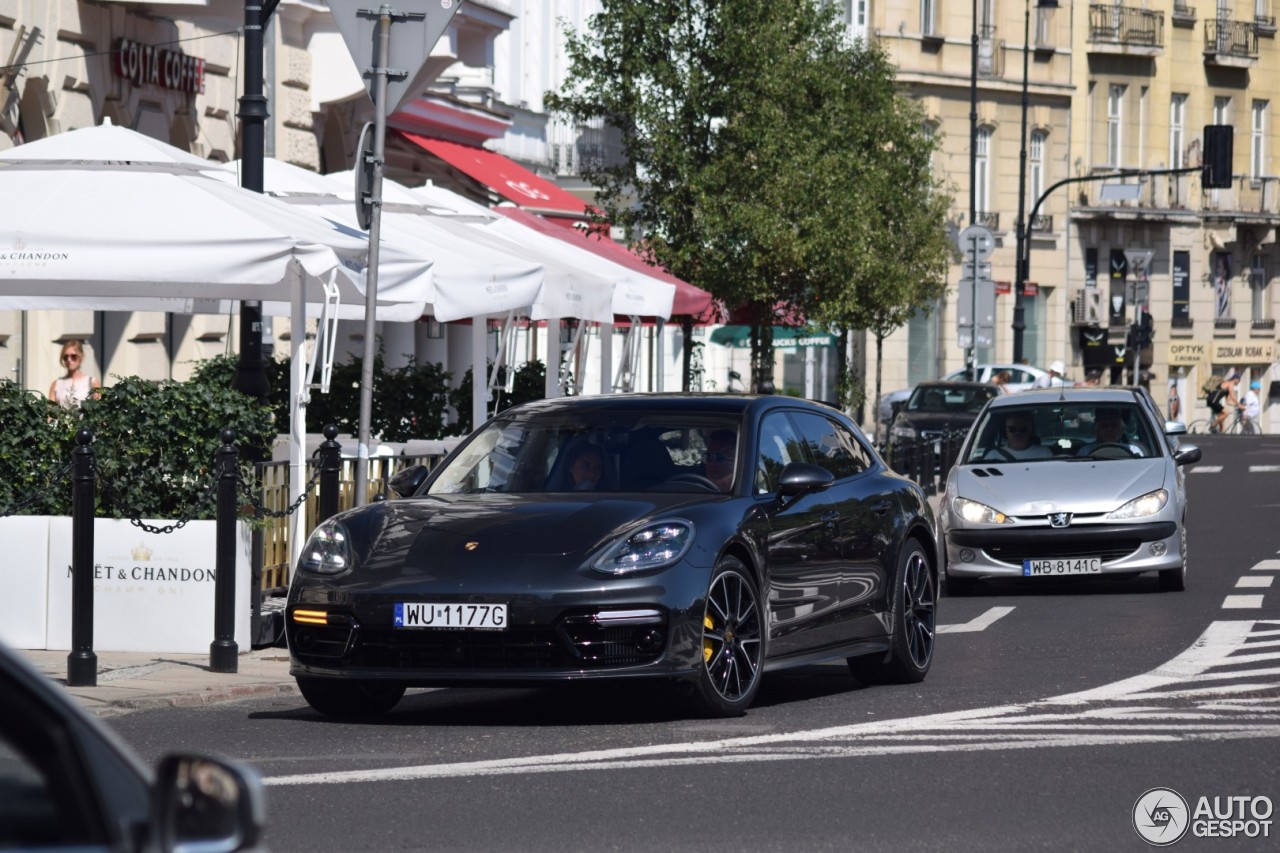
{"x":73,"y":389}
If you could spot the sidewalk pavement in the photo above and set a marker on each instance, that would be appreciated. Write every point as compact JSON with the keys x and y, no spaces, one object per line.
{"x":141,"y":681}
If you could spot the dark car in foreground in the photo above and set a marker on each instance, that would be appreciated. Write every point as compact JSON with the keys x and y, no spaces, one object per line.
{"x":67,"y":783}
{"x":933,"y":411}
{"x":1068,"y":482}
{"x":722,"y":537}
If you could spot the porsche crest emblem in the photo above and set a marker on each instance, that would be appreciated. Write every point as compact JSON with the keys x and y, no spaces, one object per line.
{"x":471,"y":546}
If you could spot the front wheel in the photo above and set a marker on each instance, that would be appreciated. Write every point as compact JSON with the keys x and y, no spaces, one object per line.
{"x":351,"y":699}
{"x":1199,"y":426}
{"x":913,"y":610}
{"x":1175,"y":580}
{"x":732,"y":643}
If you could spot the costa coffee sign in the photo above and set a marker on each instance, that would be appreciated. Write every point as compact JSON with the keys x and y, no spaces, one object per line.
{"x":171,"y":69}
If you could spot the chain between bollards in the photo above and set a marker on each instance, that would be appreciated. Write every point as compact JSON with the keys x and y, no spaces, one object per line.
{"x":223,"y":651}
{"x":82,"y":663}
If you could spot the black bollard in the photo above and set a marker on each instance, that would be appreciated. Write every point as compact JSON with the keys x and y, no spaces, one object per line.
{"x":223,"y":652}
{"x":330,"y":469}
{"x":82,"y":663}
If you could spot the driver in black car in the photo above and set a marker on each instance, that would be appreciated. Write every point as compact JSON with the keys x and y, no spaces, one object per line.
{"x":721,"y":452}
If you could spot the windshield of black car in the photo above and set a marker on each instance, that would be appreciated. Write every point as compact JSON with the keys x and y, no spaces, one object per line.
{"x":1061,"y":430}
{"x":618,"y":451}
{"x":954,"y":400}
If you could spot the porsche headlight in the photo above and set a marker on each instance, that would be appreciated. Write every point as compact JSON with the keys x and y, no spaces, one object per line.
{"x":652,"y":547}
{"x":976,"y":513}
{"x":903,"y":431}
{"x":1147,"y":505}
{"x":328,"y":550}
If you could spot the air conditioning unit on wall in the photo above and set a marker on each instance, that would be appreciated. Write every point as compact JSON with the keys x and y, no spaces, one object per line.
{"x":1088,"y":308}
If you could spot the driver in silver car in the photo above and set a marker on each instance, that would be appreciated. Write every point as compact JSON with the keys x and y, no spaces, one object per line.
{"x":1108,"y":429}
{"x":1020,"y":440}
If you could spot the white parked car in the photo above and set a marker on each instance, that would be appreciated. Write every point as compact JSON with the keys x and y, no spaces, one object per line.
{"x":1021,"y":376}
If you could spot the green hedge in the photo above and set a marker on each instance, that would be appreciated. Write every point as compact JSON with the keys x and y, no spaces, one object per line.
{"x":154,"y":442}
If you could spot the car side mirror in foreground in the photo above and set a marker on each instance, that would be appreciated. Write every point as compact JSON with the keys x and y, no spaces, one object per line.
{"x":406,"y":482}
{"x":207,"y":805}
{"x":1186,"y":454}
{"x":800,"y":478}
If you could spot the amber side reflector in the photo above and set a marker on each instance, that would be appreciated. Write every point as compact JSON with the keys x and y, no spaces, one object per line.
{"x":311,"y":617}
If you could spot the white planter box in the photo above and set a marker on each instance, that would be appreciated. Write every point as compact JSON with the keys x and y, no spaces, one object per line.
{"x":153,"y":592}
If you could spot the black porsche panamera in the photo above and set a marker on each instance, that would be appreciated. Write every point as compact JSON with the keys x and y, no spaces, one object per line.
{"x":706,"y":539}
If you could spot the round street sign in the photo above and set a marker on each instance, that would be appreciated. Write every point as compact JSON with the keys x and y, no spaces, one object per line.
{"x":364,"y":175}
{"x":979,"y":240}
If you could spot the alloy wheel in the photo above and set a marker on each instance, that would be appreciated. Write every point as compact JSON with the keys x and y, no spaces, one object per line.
{"x":919,"y":609}
{"x":731,"y":638}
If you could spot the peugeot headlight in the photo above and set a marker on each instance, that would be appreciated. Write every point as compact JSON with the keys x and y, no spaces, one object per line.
{"x":328,"y":550}
{"x":1147,"y":505}
{"x":976,"y":513}
{"x":651,"y":547}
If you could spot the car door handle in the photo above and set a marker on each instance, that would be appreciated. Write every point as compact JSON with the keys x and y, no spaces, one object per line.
{"x":881,"y":506}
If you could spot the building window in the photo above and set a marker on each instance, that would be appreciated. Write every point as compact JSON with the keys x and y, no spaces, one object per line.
{"x":987,"y":13}
{"x":982,"y":175}
{"x":1177,"y":123}
{"x":1258,"y":288}
{"x":1222,"y":285}
{"x":1035,"y":174}
{"x":1115,"y":116}
{"x":922,"y":346}
{"x":1258,"y":140}
{"x":928,"y":11}
{"x":1222,"y":111}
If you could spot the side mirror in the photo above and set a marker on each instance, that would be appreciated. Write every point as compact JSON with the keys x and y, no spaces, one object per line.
{"x":800,"y":478}
{"x":1175,"y":428}
{"x":1186,"y":454}
{"x":208,"y":805}
{"x":406,"y":482}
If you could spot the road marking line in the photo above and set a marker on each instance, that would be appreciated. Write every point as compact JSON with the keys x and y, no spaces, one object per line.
{"x":1267,"y":566}
{"x":1002,"y":727}
{"x":1261,"y":582}
{"x":981,"y":623}
{"x":1263,"y":469}
{"x":1206,"y":469}
{"x":1242,"y":602}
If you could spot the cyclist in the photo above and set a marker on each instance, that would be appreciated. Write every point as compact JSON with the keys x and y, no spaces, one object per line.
{"x":1220,"y":403}
{"x":1250,"y":408}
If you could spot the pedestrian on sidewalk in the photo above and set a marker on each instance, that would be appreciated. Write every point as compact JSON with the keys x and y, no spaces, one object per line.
{"x":76,"y":386}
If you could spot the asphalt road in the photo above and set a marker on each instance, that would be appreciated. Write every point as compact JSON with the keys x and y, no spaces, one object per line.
{"x":1048,"y":713}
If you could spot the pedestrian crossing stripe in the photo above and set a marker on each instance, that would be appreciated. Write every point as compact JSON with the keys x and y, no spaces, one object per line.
{"x":1267,"y":566}
{"x":1261,"y":582}
{"x":1206,"y":469}
{"x":1263,"y":469}
{"x":1242,"y":602}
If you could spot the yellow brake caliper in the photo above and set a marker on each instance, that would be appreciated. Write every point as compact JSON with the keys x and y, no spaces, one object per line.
{"x":707,"y":648}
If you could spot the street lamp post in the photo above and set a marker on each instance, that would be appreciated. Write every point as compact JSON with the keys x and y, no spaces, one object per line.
{"x":1022,"y":247}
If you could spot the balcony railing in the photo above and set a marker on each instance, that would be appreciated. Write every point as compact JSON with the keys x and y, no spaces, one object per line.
{"x":1263,"y":325}
{"x":1231,"y":39}
{"x":1224,"y":323}
{"x":1042,"y":222}
{"x":1181,"y":323}
{"x":989,"y":220}
{"x":1126,"y":25}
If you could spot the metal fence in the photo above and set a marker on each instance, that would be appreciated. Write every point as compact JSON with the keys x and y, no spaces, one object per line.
{"x":928,"y":459}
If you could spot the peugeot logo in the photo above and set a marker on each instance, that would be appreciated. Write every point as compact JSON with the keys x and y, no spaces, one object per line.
{"x":1059,"y":519}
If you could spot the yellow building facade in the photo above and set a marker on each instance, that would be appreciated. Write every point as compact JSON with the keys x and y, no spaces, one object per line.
{"x":1109,"y":89}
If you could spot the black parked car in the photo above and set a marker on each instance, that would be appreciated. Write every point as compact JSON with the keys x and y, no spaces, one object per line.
{"x":936,"y":410}
{"x":68,"y":783}
{"x":720,"y":537}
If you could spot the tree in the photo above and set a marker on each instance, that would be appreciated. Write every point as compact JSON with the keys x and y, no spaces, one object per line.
{"x":751,"y":131}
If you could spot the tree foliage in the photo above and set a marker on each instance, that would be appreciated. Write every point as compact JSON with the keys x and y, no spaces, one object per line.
{"x":765,"y":158}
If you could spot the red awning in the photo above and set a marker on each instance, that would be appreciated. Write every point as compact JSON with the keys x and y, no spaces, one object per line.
{"x":505,"y":177}
{"x":689,"y":300}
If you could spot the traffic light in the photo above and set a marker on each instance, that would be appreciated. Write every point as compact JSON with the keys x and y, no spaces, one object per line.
{"x":1216,"y":172}
{"x":1141,"y":333}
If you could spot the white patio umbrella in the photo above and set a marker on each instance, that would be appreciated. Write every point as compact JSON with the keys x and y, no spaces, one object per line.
{"x":110,"y":219}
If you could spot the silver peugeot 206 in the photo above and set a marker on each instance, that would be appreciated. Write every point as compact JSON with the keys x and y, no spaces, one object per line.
{"x":1068,"y":481}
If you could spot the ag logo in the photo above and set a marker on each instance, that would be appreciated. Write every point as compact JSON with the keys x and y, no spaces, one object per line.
{"x":1161,"y":817}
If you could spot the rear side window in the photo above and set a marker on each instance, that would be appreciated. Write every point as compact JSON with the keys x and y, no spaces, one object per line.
{"x":831,"y":446}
